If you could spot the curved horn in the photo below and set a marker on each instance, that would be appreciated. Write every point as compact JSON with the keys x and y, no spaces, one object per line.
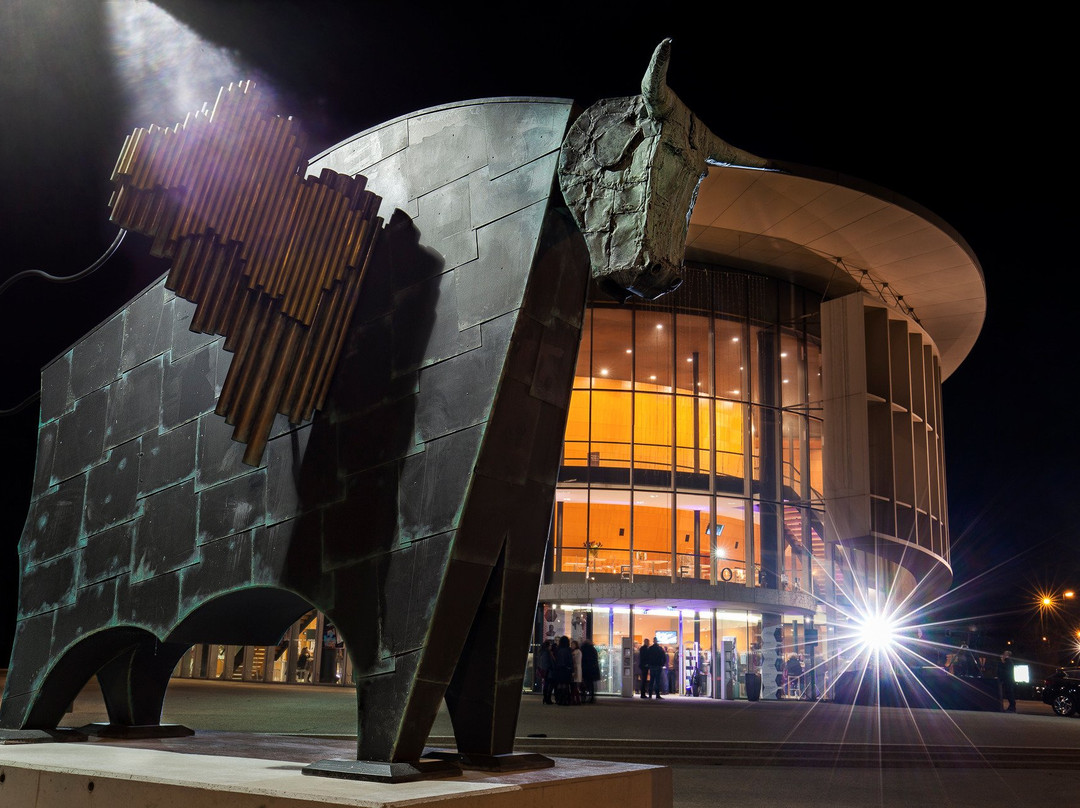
{"x":658,"y":98}
{"x":722,"y":152}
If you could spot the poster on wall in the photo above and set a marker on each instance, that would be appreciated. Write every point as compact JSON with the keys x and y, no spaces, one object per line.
{"x":553,"y":623}
{"x":579,"y":625}
{"x":332,"y":653}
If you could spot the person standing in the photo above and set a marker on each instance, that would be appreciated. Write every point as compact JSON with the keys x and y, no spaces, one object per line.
{"x":543,"y":670}
{"x":302,"y":672}
{"x":590,"y":671}
{"x":1007,"y":678}
{"x":657,"y":661}
{"x":563,"y":670}
{"x":575,"y":688}
{"x":794,"y":674}
{"x":643,"y":666}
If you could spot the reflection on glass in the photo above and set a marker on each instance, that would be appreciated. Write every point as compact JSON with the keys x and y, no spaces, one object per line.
{"x":792,"y":364}
{"x":792,"y":448}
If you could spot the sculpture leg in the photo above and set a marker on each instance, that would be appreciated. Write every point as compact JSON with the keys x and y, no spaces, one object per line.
{"x":528,"y":425}
{"x":41,"y":686}
{"x":484,"y":695}
{"x":133,"y":686}
{"x":39,"y":689}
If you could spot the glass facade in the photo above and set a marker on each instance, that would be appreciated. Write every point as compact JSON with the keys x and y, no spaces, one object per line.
{"x":709,"y":651}
{"x":693,"y":444}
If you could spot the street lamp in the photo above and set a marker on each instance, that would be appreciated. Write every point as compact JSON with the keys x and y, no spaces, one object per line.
{"x":1062,"y":629}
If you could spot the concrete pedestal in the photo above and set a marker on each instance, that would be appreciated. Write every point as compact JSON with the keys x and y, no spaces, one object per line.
{"x":104,"y":773}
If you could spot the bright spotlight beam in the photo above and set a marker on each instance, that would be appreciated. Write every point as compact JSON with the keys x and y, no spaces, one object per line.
{"x":165,"y":67}
{"x":876,"y":631}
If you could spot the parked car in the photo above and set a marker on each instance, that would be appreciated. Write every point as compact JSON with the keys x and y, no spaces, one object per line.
{"x":1061,"y":691}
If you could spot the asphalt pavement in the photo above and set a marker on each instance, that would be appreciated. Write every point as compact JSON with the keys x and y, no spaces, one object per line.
{"x":722,"y":752}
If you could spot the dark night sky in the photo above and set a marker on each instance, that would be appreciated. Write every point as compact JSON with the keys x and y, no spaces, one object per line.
{"x":965,"y":117}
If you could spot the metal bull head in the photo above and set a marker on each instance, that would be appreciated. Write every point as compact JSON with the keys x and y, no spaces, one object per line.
{"x":629,"y":171}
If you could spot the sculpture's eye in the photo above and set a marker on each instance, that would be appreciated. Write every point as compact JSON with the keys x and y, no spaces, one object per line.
{"x":617,"y":144}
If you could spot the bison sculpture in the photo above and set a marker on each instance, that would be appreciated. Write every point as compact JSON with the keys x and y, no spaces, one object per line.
{"x":413,"y":509}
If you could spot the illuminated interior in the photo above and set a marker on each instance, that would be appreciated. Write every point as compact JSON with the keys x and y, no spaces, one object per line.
{"x":693,"y":442}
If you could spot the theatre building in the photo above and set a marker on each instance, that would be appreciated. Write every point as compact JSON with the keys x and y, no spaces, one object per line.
{"x":752,"y":461}
{"x":756,"y":460}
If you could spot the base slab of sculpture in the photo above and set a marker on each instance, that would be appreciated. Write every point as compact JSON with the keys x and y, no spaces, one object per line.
{"x":60,"y":775}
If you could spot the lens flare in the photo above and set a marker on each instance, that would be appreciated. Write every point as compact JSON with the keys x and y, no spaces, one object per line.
{"x":877,"y":631}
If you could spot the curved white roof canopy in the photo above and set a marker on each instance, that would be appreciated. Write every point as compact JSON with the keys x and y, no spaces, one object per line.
{"x":798,"y":221}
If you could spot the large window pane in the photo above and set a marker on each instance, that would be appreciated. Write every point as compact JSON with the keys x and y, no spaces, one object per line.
{"x":611,"y":419}
{"x":818,"y":571}
{"x":612,"y":348}
{"x":584,"y":359}
{"x":795,"y":574}
{"x":691,"y":539}
{"x":731,"y":371}
{"x":730,"y":439}
{"x":813,"y":374}
{"x":592,"y":536}
{"x":619,"y":628}
{"x":653,"y":436}
{"x":792,"y":461}
{"x":792,"y":378}
{"x":764,"y":350}
{"x":815,"y":459}
{"x":692,"y":439}
{"x":653,"y":349}
{"x":692,"y":355}
{"x":576,"y":443}
{"x":571,"y":531}
{"x":652,"y":533}
{"x":608,"y":548}
{"x":729,"y":540}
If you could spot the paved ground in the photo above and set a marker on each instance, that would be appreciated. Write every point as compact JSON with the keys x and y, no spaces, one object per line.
{"x":739,"y":753}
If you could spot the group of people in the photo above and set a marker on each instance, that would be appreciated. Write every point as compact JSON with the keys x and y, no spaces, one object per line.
{"x":965,"y":664}
{"x":568,"y":671}
{"x":652,"y":661}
